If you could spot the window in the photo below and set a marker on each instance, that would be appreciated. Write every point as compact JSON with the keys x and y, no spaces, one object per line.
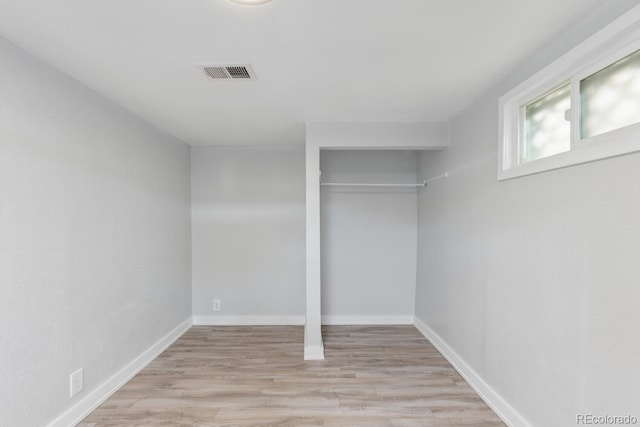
{"x":610,"y":98}
{"x":546,"y":128}
{"x":583,"y":107}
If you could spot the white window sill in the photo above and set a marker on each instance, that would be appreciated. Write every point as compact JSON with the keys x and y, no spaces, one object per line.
{"x":611,"y":144}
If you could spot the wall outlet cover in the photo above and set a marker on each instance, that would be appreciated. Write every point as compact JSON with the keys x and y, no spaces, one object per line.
{"x":76,"y":382}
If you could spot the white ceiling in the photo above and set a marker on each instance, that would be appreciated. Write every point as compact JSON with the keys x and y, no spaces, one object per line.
{"x":337,"y":60}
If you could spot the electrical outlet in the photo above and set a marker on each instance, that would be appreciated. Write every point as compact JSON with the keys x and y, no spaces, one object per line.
{"x":76,"y":382}
{"x":216,"y":305}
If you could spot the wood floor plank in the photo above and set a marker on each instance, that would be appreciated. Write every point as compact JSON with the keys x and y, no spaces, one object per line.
{"x":256,"y":376}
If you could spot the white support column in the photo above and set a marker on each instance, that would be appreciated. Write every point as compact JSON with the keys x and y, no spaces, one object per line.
{"x":313,"y":346}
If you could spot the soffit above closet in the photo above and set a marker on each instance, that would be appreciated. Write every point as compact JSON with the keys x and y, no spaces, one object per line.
{"x":326,"y":60}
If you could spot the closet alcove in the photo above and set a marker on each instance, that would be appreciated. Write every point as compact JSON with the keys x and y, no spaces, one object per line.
{"x":368,"y":211}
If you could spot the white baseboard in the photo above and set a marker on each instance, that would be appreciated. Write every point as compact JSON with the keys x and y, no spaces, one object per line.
{"x":251,"y":320}
{"x":506,"y":412}
{"x":331,"y":319}
{"x":313,"y":352}
{"x":248,"y":320}
{"x":91,"y":401}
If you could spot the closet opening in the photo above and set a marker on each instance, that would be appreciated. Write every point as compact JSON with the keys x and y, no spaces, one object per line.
{"x":368,"y":234}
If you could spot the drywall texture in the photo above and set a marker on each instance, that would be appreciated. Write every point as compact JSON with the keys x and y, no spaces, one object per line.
{"x":368,"y":236}
{"x":534,"y":281}
{"x":248,"y":211}
{"x":95,"y":238}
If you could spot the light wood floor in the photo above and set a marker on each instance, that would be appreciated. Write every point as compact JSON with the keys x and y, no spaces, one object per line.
{"x":255,"y":376}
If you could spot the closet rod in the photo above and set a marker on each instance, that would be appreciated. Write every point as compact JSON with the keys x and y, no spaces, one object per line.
{"x":436,"y":178}
{"x":363,"y":184}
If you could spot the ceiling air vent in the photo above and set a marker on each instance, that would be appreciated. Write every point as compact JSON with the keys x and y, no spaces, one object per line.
{"x":230,"y":72}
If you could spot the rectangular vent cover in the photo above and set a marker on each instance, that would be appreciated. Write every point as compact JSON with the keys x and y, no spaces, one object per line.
{"x":229,"y":72}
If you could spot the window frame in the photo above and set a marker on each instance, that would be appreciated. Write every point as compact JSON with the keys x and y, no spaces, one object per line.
{"x":614,"y":42}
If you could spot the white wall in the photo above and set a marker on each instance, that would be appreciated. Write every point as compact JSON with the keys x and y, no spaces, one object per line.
{"x":533,"y":282}
{"x":368,"y":237}
{"x":94,"y":238}
{"x":378,"y":135}
{"x":248,"y":234}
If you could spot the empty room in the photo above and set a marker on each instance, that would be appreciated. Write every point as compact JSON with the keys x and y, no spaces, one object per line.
{"x":319,"y":213}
